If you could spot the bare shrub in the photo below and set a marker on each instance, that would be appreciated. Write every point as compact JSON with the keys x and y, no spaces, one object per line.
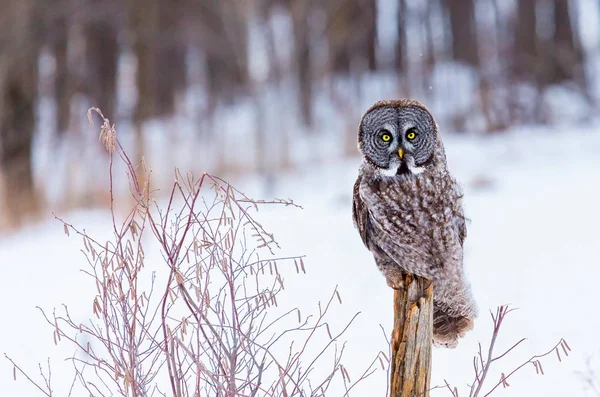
{"x":204,"y":321}
{"x":483,"y":361}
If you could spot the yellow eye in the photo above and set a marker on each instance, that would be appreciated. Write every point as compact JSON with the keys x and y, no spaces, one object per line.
{"x":386,"y":137}
{"x":411,"y":134}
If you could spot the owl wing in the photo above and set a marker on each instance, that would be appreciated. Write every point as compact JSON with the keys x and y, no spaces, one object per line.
{"x":360,"y":213}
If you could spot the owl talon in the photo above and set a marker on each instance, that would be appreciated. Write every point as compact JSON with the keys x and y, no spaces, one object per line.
{"x":396,"y":283}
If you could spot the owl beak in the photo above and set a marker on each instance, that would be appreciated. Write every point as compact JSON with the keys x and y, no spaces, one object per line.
{"x":400,"y":153}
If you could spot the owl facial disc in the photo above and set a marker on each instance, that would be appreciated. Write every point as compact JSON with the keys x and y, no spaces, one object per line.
{"x":398,"y":138}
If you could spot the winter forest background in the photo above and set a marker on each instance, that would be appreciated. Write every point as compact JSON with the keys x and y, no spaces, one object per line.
{"x":238,"y":86}
{"x":268,"y":95}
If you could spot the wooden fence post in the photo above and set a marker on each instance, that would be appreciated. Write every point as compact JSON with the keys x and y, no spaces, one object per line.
{"x":412,"y":338}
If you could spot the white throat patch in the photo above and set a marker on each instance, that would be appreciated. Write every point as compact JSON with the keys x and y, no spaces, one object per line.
{"x":414,"y":169}
{"x":392,"y":171}
{"x":388,"y":171}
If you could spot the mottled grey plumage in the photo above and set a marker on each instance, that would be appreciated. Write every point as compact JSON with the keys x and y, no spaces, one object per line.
{"x":408,"y":211}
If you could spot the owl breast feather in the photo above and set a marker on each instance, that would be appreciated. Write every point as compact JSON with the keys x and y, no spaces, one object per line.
{"x":415,"y":221}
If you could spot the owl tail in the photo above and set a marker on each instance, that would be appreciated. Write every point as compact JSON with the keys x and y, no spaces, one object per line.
{"x":447,"y":328}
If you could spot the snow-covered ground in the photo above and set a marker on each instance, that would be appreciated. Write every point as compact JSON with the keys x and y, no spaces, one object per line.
{"x":533,"y":242}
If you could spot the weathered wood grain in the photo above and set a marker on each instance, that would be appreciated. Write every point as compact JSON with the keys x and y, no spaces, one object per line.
{"x":410,"y":374}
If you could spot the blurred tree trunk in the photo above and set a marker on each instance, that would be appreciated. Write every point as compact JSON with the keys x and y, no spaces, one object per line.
{"x":56,"y":20}
{"x":370,"y":18}
{"x":19,"y":42}
{"x":402,"y":43}
{"x":302,"y":58}
{"x":497,"y":113}
{"x":339,"y":28}
{"x":220,"y":29}
{"x":102,"y":54}
{"x":275,"y":72}
{"x":222,"y":26}
{"x":429,"y":60}
{"x":264,"y":8}
{"x":566,"y":51}
{"x":528,"y":61}
{"x":144,"y":24}
{"x":464,"y":31}
{"x":352,"y":35}
{"x":525,"y":41}
{"x":171,"y":74}
{"x":63,"y":85}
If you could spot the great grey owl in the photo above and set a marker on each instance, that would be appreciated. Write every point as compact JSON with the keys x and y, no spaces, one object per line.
{"x":408,"y":211}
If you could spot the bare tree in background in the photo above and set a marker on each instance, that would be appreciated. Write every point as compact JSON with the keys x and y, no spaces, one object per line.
{"x":102,"y":53}
{"x":264,"y":11}
{"x":57,"y":35}
{"x":566,"y":51}
{"x":430,"y":51}
{"x":144,"y":22}
{"x":219,"y":29}
{"x":143,"y":16}
{"x":544,"y":61}
{"x":464,"y":31}
{"x":402,"y":41}
{"x":369,"y":16}
{"x":170,"y":58}
{"x":547,"y":61}
{"x":524,"y":46}
{"x":222,"y":30}
{"x":525,"y":40}
{"x":302,"y":57}
{"x":339,"y":26}
{"x":351,"y":34}
{"x":19,"y":42}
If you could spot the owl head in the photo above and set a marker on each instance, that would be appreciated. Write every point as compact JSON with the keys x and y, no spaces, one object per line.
{"x":399,"y":137}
